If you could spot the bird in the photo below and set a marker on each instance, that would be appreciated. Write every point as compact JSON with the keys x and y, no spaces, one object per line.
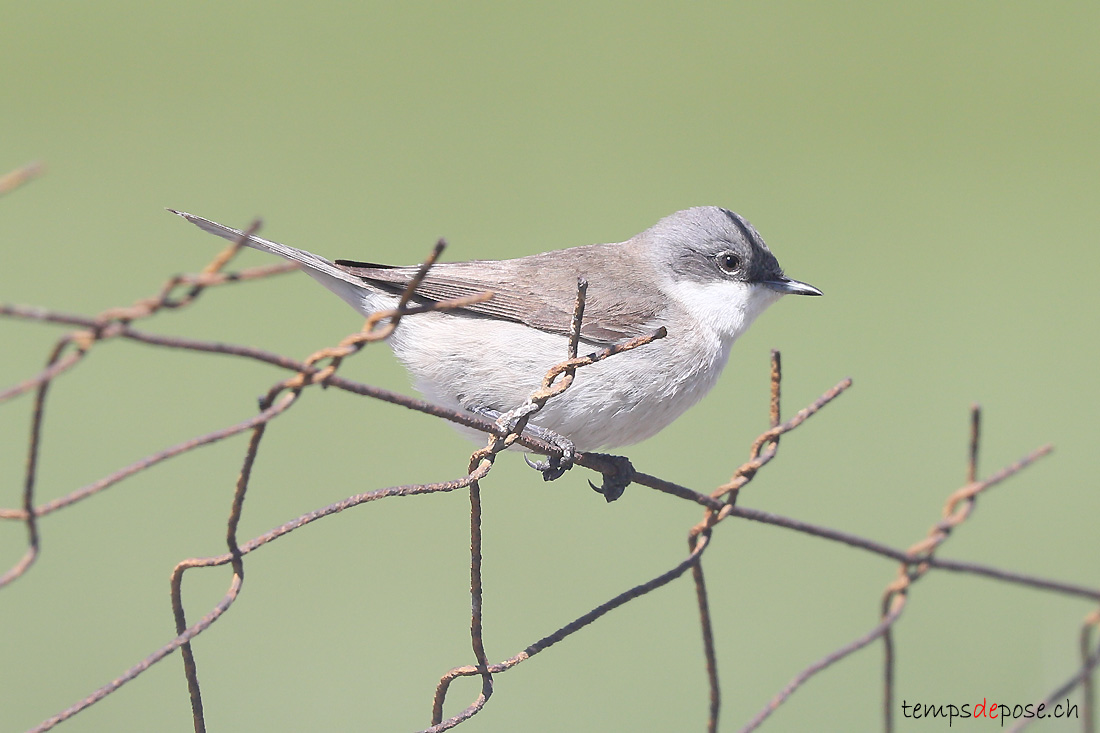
{"x":704,"y":274}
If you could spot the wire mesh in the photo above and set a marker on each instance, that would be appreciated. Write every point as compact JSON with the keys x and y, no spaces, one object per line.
{"x":321,"y":369}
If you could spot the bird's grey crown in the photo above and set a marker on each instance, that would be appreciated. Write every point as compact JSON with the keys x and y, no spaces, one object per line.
{"x":692,"y":239}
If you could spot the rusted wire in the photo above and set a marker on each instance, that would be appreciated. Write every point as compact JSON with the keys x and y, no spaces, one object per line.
{"x":698,"y":539}
{"x":480,"y":463}
{"x":828,"y":660}
{"x":133,"y":672}
{"x":293,"y":387}
{"x":710,"y":655}
{"x":105,"y":326}
{"x":562,"y":633}
{"x":957,"y":509}
{"x":321,"y":368}
{"x":1090,"y":658}
{"x":918,"y":560}
{"x":19,"y":177}
{"x":484,"y":457}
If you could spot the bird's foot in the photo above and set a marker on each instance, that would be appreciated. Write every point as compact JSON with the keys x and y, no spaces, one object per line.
{"x":617,"y":479}
{"x":560,"y":461}
{"x":556,"y":464}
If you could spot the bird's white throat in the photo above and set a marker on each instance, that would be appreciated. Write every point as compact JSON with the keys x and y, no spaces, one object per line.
{"x":726,"y":308}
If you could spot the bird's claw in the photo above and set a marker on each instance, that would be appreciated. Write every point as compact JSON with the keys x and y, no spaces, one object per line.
{"x":556,"y":465}
{"x":615,"y":482}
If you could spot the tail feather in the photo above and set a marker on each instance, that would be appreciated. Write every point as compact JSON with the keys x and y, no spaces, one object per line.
{"x":349,"y":287}
{"x":314,"y":263}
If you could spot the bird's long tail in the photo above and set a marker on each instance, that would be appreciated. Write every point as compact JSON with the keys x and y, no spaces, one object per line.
{"x":348,"y":287}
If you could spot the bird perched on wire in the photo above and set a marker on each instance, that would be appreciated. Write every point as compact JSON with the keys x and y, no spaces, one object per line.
{"x":704,"y":274}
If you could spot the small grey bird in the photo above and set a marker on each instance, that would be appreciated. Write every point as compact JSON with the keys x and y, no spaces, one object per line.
{"x":704,"y":274}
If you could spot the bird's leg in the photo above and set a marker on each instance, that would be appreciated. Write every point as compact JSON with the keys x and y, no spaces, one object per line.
{"x":558,"y":462}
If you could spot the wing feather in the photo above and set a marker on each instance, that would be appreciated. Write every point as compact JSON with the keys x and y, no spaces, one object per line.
{"x":538,"y":291}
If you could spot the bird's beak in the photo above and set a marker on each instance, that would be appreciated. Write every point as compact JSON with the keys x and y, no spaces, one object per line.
{"x":787,"y":286}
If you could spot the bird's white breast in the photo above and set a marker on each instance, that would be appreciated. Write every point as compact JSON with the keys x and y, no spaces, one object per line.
{"x":468,"y":363}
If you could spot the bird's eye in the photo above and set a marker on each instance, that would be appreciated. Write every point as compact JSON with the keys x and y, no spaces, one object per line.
{"x":728,"y":261}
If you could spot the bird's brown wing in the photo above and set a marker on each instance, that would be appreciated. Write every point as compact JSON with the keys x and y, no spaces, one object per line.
{"x":531,"y":291}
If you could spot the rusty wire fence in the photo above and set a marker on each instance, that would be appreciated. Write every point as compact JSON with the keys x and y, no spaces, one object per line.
{"x":322,"y":369}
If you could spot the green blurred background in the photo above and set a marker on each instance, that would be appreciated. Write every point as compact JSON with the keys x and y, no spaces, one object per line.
{"x":932,"y":167}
